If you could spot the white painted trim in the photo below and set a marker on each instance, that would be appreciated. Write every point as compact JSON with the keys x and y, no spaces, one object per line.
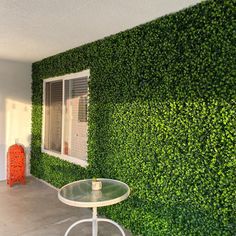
{"x":43,"y":119}
{"x":83,"y":163}
{"x":69,"y":76}
{"x":63,"y":117}
{"x":70,"y":159}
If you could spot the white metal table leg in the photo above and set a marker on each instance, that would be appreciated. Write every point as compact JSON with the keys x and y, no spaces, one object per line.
{"x":76,"y":223}
{"x":95,"y":222}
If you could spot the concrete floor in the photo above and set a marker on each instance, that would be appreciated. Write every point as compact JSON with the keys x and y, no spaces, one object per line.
{"x":34,"y":210}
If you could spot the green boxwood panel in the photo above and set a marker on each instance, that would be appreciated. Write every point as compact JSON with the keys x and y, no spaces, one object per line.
{"x":161,"y":118}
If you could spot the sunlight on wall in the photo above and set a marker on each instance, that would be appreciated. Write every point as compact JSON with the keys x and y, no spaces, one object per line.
{"x":2,"y":137}
{"x":18,"y":116}
{"x":15,"y":108}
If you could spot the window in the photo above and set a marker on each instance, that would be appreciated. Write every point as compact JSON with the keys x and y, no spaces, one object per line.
{"x":65,"y":121}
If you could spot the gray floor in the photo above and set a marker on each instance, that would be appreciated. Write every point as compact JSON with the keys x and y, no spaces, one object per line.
{"x":34,"y":210}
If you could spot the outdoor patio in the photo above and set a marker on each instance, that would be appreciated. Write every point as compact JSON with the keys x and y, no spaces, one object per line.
{"x":137,"y":99}
{"x":34,"y":210}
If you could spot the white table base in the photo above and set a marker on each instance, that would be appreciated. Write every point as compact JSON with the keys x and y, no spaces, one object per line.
{"x":95,"y":221}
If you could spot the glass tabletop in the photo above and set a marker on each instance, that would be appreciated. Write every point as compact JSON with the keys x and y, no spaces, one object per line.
{"x":80,"y":193}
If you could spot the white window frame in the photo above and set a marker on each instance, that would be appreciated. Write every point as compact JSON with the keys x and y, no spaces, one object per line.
{"x":84,"y":73}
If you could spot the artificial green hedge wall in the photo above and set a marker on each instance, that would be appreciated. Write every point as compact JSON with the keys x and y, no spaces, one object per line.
{"x":161,"y":118}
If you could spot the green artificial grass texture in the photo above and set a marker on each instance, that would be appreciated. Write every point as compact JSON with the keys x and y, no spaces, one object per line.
{"x":161,"y":118}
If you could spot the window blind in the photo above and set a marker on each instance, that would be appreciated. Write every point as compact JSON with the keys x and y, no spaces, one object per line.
{"x":53,"y":116}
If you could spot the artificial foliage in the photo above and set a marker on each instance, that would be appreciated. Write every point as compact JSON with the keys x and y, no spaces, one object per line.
{"x":161,"y":118}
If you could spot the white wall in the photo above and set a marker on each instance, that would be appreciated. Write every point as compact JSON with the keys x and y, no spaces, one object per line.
{"x":15,"y":109}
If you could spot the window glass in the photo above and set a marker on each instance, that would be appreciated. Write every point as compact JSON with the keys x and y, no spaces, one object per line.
{"x":53,"y":116}
{"x":75,"y":117}
{"x":65,"y":119}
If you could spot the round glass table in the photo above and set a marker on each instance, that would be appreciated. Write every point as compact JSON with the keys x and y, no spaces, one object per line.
{"x":80,"y":194}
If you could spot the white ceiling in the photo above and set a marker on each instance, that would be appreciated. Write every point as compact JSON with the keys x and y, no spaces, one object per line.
{"x":31,"y":30}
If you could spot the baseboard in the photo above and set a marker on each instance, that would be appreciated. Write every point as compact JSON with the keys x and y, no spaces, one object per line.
{"x":43,"y":181}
